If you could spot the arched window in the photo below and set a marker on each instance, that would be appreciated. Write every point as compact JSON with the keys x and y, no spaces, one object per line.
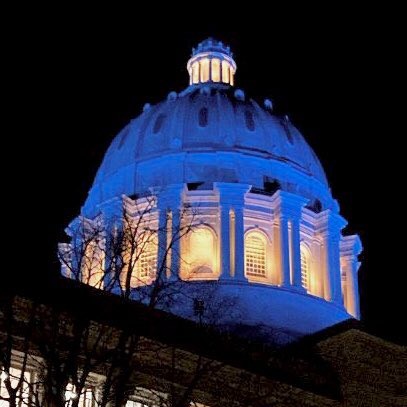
{"x":203,"y":117}
{"x":146,"y":265}
{"x":225,"y":72}
{"x":305,"y":268}
{"x":92,"y":264}
{"x":231,"y":78}
{"x":158,"y":123}
{"x":287,"y":130}
{"x":195,"y":72}
{"x":202,"y":251}
{"x":204,"y":70}
{"x":140,"y":262}
{"x":22,"y":396}
{"x":123,"y":136}
{"x":255,"y":255}
{"x":215,"y":65}
{"x":248,"y":115}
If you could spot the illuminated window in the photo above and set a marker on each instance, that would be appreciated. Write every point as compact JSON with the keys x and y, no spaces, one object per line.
{"x":231,"y":76}
{"x":248,"y":115}
{"x":305,"y":268}
{"x":203,"y":117}
{"x":158,"y":123}
{"x":15,"y":375}
{"x":204,"y":70}
{"x":215,"y":70}
{"x":225,"y":72}
{"x":132,"y":403}
{"x":255,"y":254}
{"x":93,"y":264}
{"x":87,"y":397}
{"x":147,"y":261}
{"x":195,"y":72}
{"x":202,"y":250}
{"x":140,"y":263}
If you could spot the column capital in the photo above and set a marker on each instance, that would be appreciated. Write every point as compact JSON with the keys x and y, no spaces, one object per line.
{"x":330,"y":223}
{"x":288,"y":205}
{"x":231,"y":194}
{"x":351,"y":246}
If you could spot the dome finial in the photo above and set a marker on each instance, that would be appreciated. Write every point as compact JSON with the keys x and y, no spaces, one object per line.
{"x":211,"y":61}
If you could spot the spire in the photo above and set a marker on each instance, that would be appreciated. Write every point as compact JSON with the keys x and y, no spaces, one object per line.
{"x":211,"y":61}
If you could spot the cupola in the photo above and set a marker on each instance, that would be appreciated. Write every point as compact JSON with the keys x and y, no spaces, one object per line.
{"x":211,"y":61}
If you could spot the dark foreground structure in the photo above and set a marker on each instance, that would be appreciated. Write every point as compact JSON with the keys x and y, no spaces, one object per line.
{"x":176,"y":362}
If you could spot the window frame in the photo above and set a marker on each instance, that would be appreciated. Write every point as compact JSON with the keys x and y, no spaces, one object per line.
{"x":267,"y":252}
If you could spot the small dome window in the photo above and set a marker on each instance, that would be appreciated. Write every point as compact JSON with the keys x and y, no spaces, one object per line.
{"x":289,"y":135}
{"x":248,"y":115}
{"x":203,"y":117}
{"x":158,"y":123}
{"x":123,"y":137}
{"x":287,"y":130}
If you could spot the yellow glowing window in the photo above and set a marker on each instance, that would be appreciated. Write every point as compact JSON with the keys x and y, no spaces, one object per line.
{"x":86,"y":398}
{"x":231,"y":76}
{"x":147,"y":260}
{"x":215,"y":70}
{"x":93,"y":264}
{"x":305,"y":277}
{"x":140,"y":263}
{"x":201,"y":246}
{"x":204,"y":70}
{"x":14,"y":375}
{"x":255,"y":255}
{"x":225,"y":72}
{"x":195,"y":72}
{"x":132,"y":403}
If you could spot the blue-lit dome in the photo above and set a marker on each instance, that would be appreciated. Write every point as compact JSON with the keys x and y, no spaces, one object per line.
{"x":265,"y":232}
{"x":208,"y":133}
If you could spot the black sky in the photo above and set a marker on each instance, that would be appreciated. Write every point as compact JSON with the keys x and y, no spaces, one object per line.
{"x":79,"y":76}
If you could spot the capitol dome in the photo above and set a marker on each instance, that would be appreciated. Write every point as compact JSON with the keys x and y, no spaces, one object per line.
{"x":207,"y":133}
{"x":266,"y":229}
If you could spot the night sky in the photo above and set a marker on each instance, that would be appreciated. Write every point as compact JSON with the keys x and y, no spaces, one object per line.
{"x":81,"y":76}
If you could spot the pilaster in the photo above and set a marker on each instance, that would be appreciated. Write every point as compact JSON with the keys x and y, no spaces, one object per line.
{"x":288,"y":211}
{"x":170,"y":199}
{"x":329,"y":226}
{"x":350,"y":248}
{"x":231,"y":197}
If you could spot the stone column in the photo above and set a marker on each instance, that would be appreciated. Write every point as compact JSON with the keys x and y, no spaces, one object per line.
{"x":284,"y":252}
{"x":113,"y":218}
{"x":239,"y":245}
{"x":175,"y":242}
{"x":231,"y":196}
{"x":288,"y":209}
{"x":296,"y":253}
{"x":226,"y":271}
{"x":170,"y":199}
{"x":162,"y":242}
{"x":330,"y":225}
{"x":351,"y":247}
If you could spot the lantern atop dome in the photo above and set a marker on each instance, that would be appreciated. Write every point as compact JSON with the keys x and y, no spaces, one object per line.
{"x":211,"y":61}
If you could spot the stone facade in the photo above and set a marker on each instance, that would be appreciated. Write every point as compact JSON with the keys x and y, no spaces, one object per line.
{"x":346,"y":368}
